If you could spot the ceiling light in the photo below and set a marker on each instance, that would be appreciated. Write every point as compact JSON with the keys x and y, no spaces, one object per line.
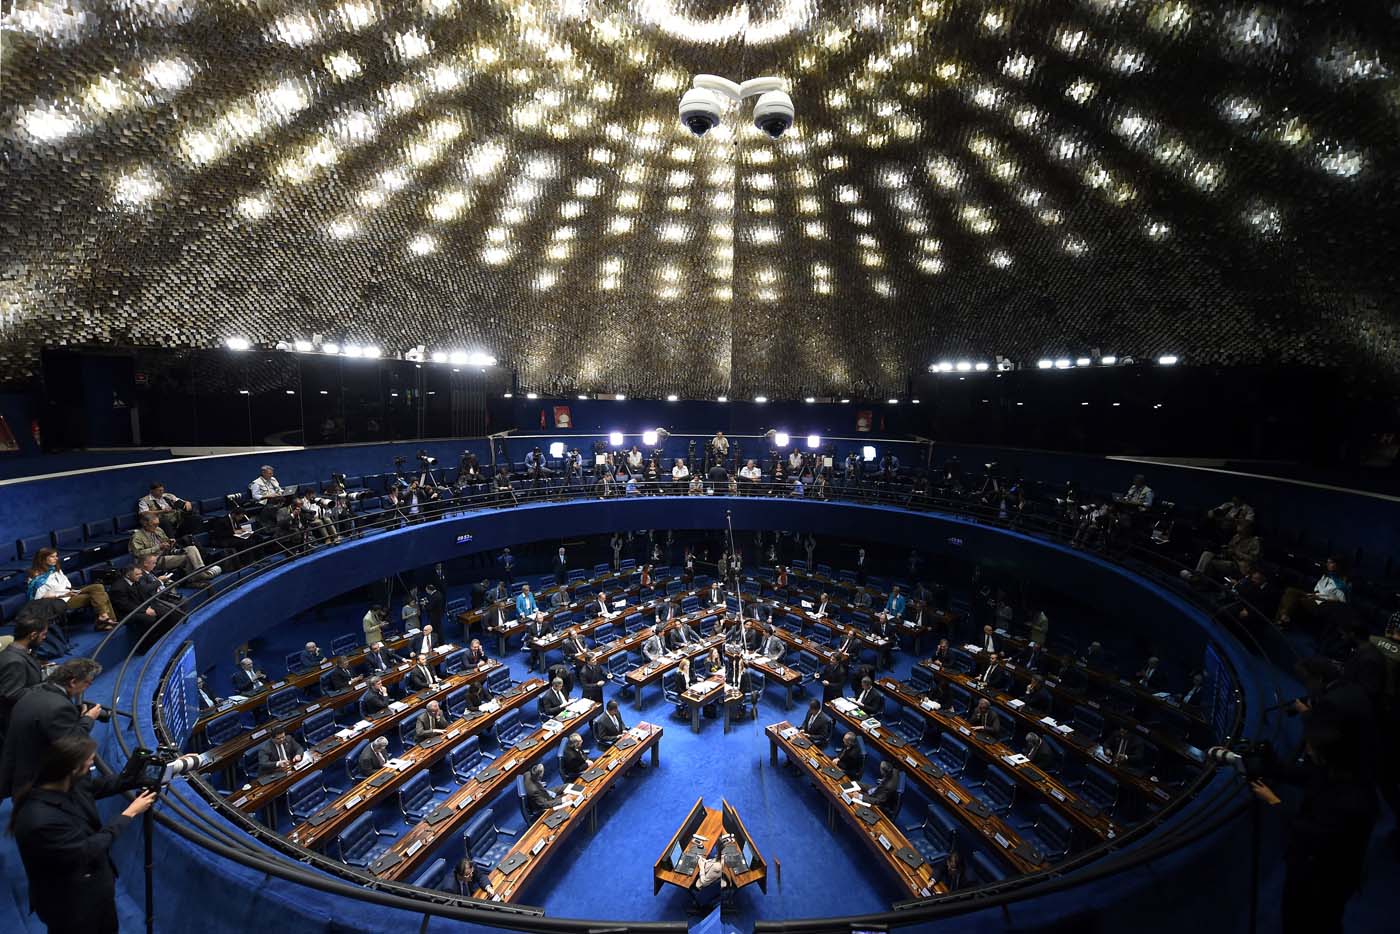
{"x":1167,"y":360}
{"x":508,"y":395}
{"x":981,"y":367}
{"x":615,"y":438}
{"x":1082,"y":361}
{"x":237,"y":343}
{"x":1063,"y":363}
{"x":532,"y":395}
{"x":781,"y":439}
{"x":1045,"y":364}
{"x":302,"y":346}
{"x":760,"y":399}
{"x":477,"y":358}
{"x":963,"y":366}
{"x":649,"y":438}
{"x":330,"y":347}
{"x":620,"y":397}
{"x":1108,"y":361}
{"x":867,"y":453}
{"x":673,"y":398}
{"x":556,"y":449}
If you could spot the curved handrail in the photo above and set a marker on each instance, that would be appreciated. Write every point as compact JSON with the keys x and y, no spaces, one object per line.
{"x":1143,"y":562}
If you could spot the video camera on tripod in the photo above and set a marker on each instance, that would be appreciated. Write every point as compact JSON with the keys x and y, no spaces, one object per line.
{"x":154,"y":769}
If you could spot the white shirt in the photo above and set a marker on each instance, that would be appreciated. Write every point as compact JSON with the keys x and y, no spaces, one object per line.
{"x":634,"y":458}
{"x":57,"y":585}
{"x":680,"y":472}
{"x":750,"y":472}
{"x":150,"y":503}
{"x":1141,"y":495}
{"x":1328,"y":590}
{"x":261,"y":489}
{"x":794,"y":460}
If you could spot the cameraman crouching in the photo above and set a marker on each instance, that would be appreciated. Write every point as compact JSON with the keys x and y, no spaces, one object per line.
{"x":64,"y":844}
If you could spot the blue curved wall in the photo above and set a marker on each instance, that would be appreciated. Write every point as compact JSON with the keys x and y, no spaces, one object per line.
{"x":187,"y":876}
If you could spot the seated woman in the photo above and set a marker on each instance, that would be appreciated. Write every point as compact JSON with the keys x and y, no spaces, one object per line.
{"x":47,"y":580}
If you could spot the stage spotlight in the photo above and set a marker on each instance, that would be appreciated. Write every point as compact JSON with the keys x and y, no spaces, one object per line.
{"x":439,"y":356}
{"x":673,"y":398}
{"x":237,"y":343}
{"x":722,"y":399}
{"x":814,"y":441}
{"x":330,"y":347}
{"x":1082,"y":361}
{"x":810,"y":399}
{"x":620,"y":397}
{"x":867,"y":453}
{"x":963,"y":366}
{"x":982,"y":367}
{"x":649,"y":438}
{"x":760,"y":399}
{"x":532,"y":395}
{"x":1168,"y":360}
{"x":1063,"y":363}
{"x":615,"y":438}
{"x":302,"y":346}
{"x":1044,"y":364}
{"x":781,"y":439}
{"x":1108,"y":361}
{"x":556,"y":449}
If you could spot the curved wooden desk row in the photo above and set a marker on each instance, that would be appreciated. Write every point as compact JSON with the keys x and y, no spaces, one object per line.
{"x":698,"y":835}
{"x":880,"y":834}
{"x":409,"y":852}
{"x":1151,"y":791}
{"x":373,"y":790}
{"x":1027,"y":776}
{"x":547,"y":834}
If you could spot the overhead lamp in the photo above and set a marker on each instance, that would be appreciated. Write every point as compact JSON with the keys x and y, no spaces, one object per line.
{"x":583,"y":397}
{"x":894,"y":402}
{"x":354,"y":350}
{"x":673,"y":398}
{"x":1044,"y":364}
{"x":1108,"y":361}
{"x":532,"y":395}
{"x":810,"y":399}
{"x":330,"y":347}
{"x":457,"y":358}
{"x":1063,"y":363}
{"x":722,"y":399}
{"x":945,"y":366}
{"x":982,"y":366}
{"x":760,"y":399}
{"x":914,"y":401}
{"x":1082,"y":361}
{"x":649,"y":438}
{"x":372,"y":353}
{"x":1168,"y":360}
{"x":620,"y":397}
{"x":302,"y":346}
{"x":615,"y":438}
{"x":478,"y":358}
{"x":845,"y":400}
{"x":781,"y":439}
{"x":237,"y":343}
{"x":814,"y":441}
{"x":439,"y":357}
{"x":867,"y":453}
{"x":963,"y":366}
{"x":508,"y":395}
{"x":556,"y":449}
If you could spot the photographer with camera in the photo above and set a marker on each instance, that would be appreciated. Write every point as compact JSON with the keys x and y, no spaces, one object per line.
{"x":63,"y":841}
{"x":45,"y":714}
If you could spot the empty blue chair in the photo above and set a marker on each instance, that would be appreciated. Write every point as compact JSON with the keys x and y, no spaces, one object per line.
{"x":454,"y":662}
{"x":708,"y":624}
{"x":633,"y":622}
{"x":1086,"y":721}
{"x":1053,"y":831}
{"x":920,"y":678}
{"x":603,"y":634}
{"x":1097,"y":787}
{"x":618,"y":666}
{"x":960,"y":660}
{"x":499,"y":679}
{"x":578,"y":574}
{"x":951,"y":753}
{"x":959,"y":699}
{"x":674,"y":587}
{"x":485,"y":843}
{"x":318,"y":726}
{"x":932,"y":832}
{"x":509,"y":729}
{"x":283,"y":703}
{"x":294,"y":664}
{"x":456,"y":702}
{"x":104,"y":535}
{"x":71,"y":540}
{"x":821,"y":632}
{"x":345,"y":643}
{"x":466,"y":759}
{"x":306,"y":797}
{"x":986,"y":870}
{"x":227,"y":726}
{"x":352,"y":762}
{"x":791,"y":622}
{"x":909,"y":725}
{"x":26,"y":547}
{"x":997,"y":790}
{"x":600,"y":570}
{"x":432,"y":875}
{"x":758,"y":683}
{"x":628,"y":564}
{"x":360,"y":843}
{"x":690,"y":603}
{"x":406,"y":731}
{"x":248,"y":762}
{"x":416,"y":798}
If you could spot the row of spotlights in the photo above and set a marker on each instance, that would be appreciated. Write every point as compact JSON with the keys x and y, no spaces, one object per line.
{"x":456,"y":357}
{"x":584,"y":397}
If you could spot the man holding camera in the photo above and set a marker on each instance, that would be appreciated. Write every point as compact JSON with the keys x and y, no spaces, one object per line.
{"x":150,"y":539}
{"x":177,"y":516}
{"x":44,"y":714}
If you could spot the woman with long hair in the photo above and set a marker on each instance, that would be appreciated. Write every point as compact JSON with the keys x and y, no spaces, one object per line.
{"x":47,"y":580}
{"x":64,"y":843}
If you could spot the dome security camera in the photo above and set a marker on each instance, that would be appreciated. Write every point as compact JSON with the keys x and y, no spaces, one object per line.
{"x":773,"y":113}
{"x":701,"y":110}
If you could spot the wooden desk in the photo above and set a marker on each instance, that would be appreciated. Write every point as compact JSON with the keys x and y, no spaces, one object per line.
{"x":651,"y":672}
{"x":334,"y":747}
{"x":301,"y":679}
{"x":777,"y":672}
{"x":711,"y":824}
{"x":1081,"y":744}
{"x":409,"y":852}
{"x":1038,"y":782}
{"x":915,"y":876}
{"x":534,"y":847}
{"x":481,"y":615}
{"x":711,"y":691}
{"x":973,"y":814}
{"x":366,"y":794}
{"x":758,"y":866}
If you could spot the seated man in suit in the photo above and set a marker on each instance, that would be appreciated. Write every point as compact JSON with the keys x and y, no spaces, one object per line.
{"x":553,"y":700}
{"x":539,"y":797}
{"x":601,"y":606}
{"x":667,"y":612}
{"x":591,"y":678}
{"x":951,"y":874}
{"x":989,"y":639}
{"x":608,"y":726}
{"x":773,"y":647}
{"x":279,"y":754}
{"x":475,"y":654}
{"x":851,"y":760}
{"x":478,"y":693}
{"x":340,"y":677}
{"x":985,"y":720}
{"x":996,"y":674}
{"x":1036,"y":749}
{"x":652,"y":648}
{"x":376,"y":699}
{"x":431,"y":722}
{"x":715,"y":595}
{"x":311,"y":657}
{"x":884,"y":794}
{"x":560,"y":599}
{"x":1033,"y":657}
{"x":1149,"y":676}
{"x":1093,"y":655}
{"x":1124,"y":748}
{"x":372,"y":758}
{"x":422,"y":675}
{"x":247,"y":679}
{"x":575,"y":646}
{"x":1195,"y":695}
{"x":942,"y":653}
{"x":862,"y":598}
{"x":1036,"y":695}
{"x":681,"y":635}
{"x":816,"y":726}
{"x":820,"y":610}
{"x":381,"y":658}
{"x":426,"y":641}
{"x":869,"y":698}
{"x":573,"y":762}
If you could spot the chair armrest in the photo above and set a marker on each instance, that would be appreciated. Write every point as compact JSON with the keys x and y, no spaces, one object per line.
{"x":502,"y":831}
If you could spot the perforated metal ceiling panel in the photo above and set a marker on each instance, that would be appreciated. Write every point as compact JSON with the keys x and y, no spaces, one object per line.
{"x":965,"y":179}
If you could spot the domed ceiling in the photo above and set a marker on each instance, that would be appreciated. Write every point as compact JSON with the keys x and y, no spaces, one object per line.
{"x":964,"y":180}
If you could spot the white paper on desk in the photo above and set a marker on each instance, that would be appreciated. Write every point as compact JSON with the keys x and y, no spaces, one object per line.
{"x":870,"y":723}
{"x":236,"y":698}
{"x":491,"y":706}
{"x":344,"y":734}
{"x":929,"y":704}
{"x":412,"y":632}
{"x":1016,"y":703}
{"x":1064,"y":728}
{"x":398,"y":765}
{"x":1016,"y":759}
{"x":1048,"y":721}
{"x":302,"y":762}
{"x":974,"y":649}
{"x":789,"y":733}
{"x":579,"y":704}
{"x":552,"y":726}
{"x":398,"y":706}
{"x":444,"y":648}
{"x":360,"y":725}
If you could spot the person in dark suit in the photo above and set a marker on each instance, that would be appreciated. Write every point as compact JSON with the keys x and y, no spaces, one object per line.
{"x":942,"y":653}
{"x":535,"y":628}
{"x":425,"y":641}
{"x":1093,"y":656}
{"x":575,"y":646}
{"x":475,"y":654}
{"x":1033,"y":657}
{"x":422,"y":675}
{"x":19,"y":670}
{"x":311,"y":656}
{"x":652,"y":648}
{"x":832,"y":678}
{"x":1124,"y":748}
{"x":539,"y":797}
{"x":667,"y":612}
{"x":247,"y":679}
{"x":996,"y":674}
{"x":681,"y":635}
{"x":1037,"y":695}
{"x":1195,"y":695}
{"x":869,"y":698}
{"x":372,"y":758}
{"x":340,"y":677}
{"x":1038,"y":751}
{"x":1151,"y":672}
{"x":138,"y":587}
{"x":951,"y":873}
{"x":573,"y":763}
{"x":43,"y":715}
{"x":431,"y":722}
{"x":553,"y":700}
{"x":591,"y":678}
{"x":63,"y":842}
{"x":884,"y":794}
{"x":279,"y":753}
{"x":561,"y":568}
{"x":380,"y":658}
{"x":463,"y":880}
{"x":560,"y":598}
{"x":985,"y":720}
{"x":609,"y":726}
{"x":207,"y":701}
{"x":852,"y":758}
{"x":434,"y":604}
{"x":376,"y":699}
{"x":816,"y":725}
{"x":478,"y":693}
{"x":988,"y":641}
